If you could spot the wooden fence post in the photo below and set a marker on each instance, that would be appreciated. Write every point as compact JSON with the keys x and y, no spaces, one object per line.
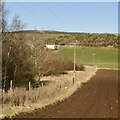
{"x":60,"y":83}
{"x":29,"y":86}
{"x":11,"y":85}
{"x":42,"y":84}
{"x":73,"y":80}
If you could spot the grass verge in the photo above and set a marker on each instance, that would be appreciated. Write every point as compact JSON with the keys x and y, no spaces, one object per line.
{"x":61,"y":88}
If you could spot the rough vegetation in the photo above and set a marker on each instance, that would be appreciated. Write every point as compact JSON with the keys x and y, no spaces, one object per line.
{"x":57,"y":89}
{"x":83,"y":39}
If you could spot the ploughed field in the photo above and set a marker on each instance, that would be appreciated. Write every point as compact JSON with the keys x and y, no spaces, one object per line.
{"x":98,"y":98}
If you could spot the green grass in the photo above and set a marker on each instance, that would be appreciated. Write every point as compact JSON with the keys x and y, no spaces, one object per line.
{"x":104,"y":57}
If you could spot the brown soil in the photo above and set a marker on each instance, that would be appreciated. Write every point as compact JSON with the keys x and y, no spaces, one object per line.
{"x":98,"y":98}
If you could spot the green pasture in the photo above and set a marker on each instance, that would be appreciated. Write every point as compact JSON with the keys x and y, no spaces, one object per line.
{"x":101,"y":57}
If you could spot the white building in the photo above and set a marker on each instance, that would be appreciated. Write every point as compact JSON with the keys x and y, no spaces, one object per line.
{"x":52,"y":46}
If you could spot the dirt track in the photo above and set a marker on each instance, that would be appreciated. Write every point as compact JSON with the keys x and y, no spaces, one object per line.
{"x":98,"y":98}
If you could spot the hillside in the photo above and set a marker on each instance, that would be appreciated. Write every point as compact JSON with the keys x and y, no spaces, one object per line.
{"x":83,"y":39}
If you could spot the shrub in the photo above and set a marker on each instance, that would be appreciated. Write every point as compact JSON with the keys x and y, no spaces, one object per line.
{"x":81,"y":67}
{"x":53,"y":65}
{"x":70,"y":66}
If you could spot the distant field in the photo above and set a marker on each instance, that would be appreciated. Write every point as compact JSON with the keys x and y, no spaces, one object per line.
{"x":104,"y":57}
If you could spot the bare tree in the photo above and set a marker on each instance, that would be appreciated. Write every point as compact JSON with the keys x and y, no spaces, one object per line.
{"x":3,"y":17}
{"x":5,"y":28}
{"x":16,"y":24}
{"x":15,"y":50}
{"x":45,"y":62}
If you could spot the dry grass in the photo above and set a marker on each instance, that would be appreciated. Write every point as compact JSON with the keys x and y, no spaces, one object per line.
{"x":59,"y":89}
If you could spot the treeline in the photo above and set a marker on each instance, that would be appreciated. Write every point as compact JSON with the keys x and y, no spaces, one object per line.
{"x":87,"y":39}
{"x":82,"y":39}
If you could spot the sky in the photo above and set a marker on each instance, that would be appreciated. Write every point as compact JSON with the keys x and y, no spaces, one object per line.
{"x":92,"y":17}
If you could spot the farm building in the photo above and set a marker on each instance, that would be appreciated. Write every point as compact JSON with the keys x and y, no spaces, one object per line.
{"x":52,"y":46}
